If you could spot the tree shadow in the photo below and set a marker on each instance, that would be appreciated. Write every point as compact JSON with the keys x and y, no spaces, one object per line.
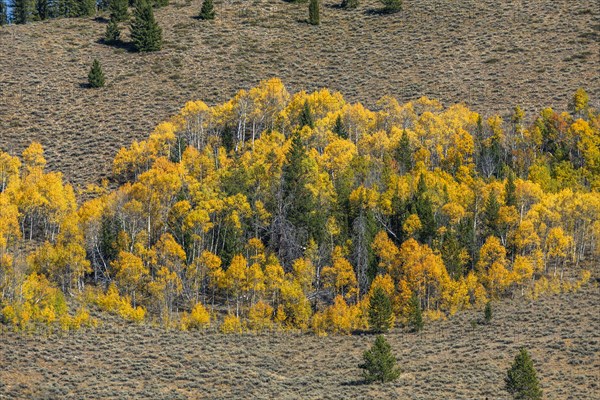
{"x":119,"y":44}
{"x":380,"y":11}
{"x":101,"y":19}
{"x":355,"y":382}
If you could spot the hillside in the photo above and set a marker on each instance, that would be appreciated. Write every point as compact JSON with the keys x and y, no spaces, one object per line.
{"x":450,"y":360}
{"x":492,"y":55}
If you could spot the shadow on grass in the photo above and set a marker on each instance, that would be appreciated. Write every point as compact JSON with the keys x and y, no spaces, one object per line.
{"x":355,"y":382}
{"x":119,"y":44}
{"x":381,"y":11}
{"x":102,"y":20}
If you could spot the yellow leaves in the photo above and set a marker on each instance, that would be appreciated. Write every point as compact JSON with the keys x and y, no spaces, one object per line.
{"x":112,"y":302}
{"x":198,"y":318}
{"x":274,"y":275}
{"x":412,"y":225}
{"x":340,"y":276}
{"x":339,"y":318}
{"x":231,"y":325}
{"x":33,"y":157}
{"x":129,"y":270}
{"x":454,"y":212}
{"x":296,"y":307}
{"x":9,"y":169}
{"x":523,"y":268}
{"x":386,"y":251}
{"x":259,"y":316}
{"x":384,"y":282}
{"x":557,"y":243}
{"x":235,"y":276}
{"x":9,"y":223}
{"x":492,"y":266}
{"x":364,"y":197}
{"x":304,"y":273}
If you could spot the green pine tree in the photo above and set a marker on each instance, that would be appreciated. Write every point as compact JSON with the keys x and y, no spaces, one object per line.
{"x":313,"y":12}
{"x":380,"y":311}
{"x":207,"y":12}
{"x":415,"y":316}
{"x":379,"y":364}
{"x":391,"y":5}
{"x":228,"y":138}
{"x":22,"y":12}
{"x":3,"y":13}
{"x":96,"y":76}
{"x":423,"y":207}
{"x":113,"y":32}
{"x":145,"y":32}
{"x":404,"y":154}
{"x":491,"y":213}
{"x":339,"y":128}
{"x":521,"y":380}
{"x":487,"y":312}
{"x":42,"y":10}
{"x":306,"y":116}
{"x":296,"y":197}
{"x":510,"y":197}
{"x":118,"y":10}
{"x":87,"y":8}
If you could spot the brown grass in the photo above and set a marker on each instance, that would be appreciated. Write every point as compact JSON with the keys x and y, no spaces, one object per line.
{"x":490,"y":54}
{"x":452,"y":359}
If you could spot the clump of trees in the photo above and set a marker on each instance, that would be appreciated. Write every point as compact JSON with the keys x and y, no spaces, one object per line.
{"x":292,"y":211}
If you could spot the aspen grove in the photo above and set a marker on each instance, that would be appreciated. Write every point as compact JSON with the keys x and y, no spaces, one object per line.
{"x":276,"y":211}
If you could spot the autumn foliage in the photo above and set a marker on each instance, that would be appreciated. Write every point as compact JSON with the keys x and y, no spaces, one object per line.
{"x":285,"y":211}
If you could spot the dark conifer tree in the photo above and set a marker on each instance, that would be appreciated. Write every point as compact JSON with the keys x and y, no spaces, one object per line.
{"x":521,"y":380}
{"x":145,"y":32}
{"x":380,"y":311}
{"x":207,"y":12}
{"x":404,"y":154}
{"x":487,"y":312}
{"x":87,"y":8}
{"x":118,"y":10}
{"x":339,"y":128}
{"x":227,"y":138}
{"x":510,"y":197}
{"x":113,"y":32}
{"x":490,"y":214}
{"x":424,"y":209}
{"x":296,"y":198}
{"x":415,"y":317}
{"x":42,"y":10}
{"x":21,"y":11}
{"x":3,"y":13}
{"x":306,"y":116}
{"x":379,"y":364}
{"x":96,"y":76}
{"x":314,"y":17}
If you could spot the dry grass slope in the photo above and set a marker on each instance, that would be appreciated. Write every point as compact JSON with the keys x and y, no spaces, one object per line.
{"x":490,"y":54}
{"x":450,"y":360}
